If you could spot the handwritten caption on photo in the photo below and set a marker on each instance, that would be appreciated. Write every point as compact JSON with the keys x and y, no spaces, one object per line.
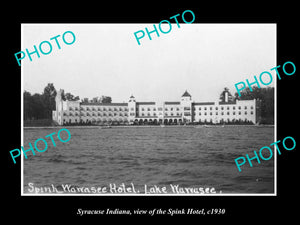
{"x":122,"y":188}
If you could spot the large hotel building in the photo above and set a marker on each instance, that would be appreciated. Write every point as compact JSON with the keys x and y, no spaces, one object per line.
{"x":133,"y":112}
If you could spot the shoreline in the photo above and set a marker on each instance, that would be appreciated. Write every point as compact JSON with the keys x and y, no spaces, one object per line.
{"x":149,"y":126}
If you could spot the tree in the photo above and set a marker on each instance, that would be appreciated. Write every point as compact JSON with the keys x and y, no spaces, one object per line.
{"x":68,"y":96}
{"x":266,"y":97}
{"x":27,"y":105}
{"x":105,"y":99}
{"x":48,"y":98}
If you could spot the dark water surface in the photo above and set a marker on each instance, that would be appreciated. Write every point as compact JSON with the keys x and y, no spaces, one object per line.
{"x":184,"y":156}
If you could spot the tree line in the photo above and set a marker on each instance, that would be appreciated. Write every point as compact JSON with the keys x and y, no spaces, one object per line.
{"x":40,"y":106}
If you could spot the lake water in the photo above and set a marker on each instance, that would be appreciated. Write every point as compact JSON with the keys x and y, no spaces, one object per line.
{"x":184,"y":156}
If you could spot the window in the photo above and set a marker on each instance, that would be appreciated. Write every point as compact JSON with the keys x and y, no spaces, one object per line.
{"x":251,"y":112}
{"x":143,"y":109}
{"x":171,"y":109}
{"x":142,"y":114}
{"x":205,"y":114}
{"x":245,"y":113}
{"x":187,"y":108}
{"x":177,"y":109}
{"x":210,"y":108}
{"x":251,"y":107}
{"x":222,"y":113}
{"x":239,"y":107}
{"x":187,"y":113}
{"x":199,"y":113}
{"x":148,"y":109}
{"x":228,"y":113}
{"x":115,"y":109}
{"x":131,"y":114}
{"x":233,"y":113}
{"x":245,"y":107}
{"x":233,"y":107}
{"x":166,"y":109}
{"x":205,"y":108}
{"x":154,"y":114}
{"x":154,"y":109}
{"x":159,"y":108}
{"x":115,"y":114}
{"x":216,"y":113}
{"x":171,"y":114}
{"x":239,"y":113}
{"x":222,"y":108}
{"x":216,"y":108}
{"x":148,"y":114}
{"x":131,"y":109}
{"x":210,"y":113}
{"x":227,"y":107}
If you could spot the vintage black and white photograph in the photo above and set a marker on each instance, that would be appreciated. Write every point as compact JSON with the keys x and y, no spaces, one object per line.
{"x":105,"y":114}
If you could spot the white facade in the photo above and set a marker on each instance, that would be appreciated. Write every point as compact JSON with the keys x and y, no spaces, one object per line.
{"x":181,"y":112}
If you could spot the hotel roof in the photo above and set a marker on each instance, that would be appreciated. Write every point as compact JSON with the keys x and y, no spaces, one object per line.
{"x":203,"y":103}
{"x":103,"y":104}
{"x":186,"y":94}
{"x":145,"y":103}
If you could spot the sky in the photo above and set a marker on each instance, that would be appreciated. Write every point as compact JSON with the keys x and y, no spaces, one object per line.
{"x":105,"y":59}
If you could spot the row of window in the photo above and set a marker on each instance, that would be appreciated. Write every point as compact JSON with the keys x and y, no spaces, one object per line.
{"x":99,"y":109}
{"x":95,"y":114}
{"x":96,"y":120}
{"x":155,"y":114}
{"x":194,"y":108}
{"x":154,"y":109}
{"x":222,"y":107}
{"x":222,"y":113}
